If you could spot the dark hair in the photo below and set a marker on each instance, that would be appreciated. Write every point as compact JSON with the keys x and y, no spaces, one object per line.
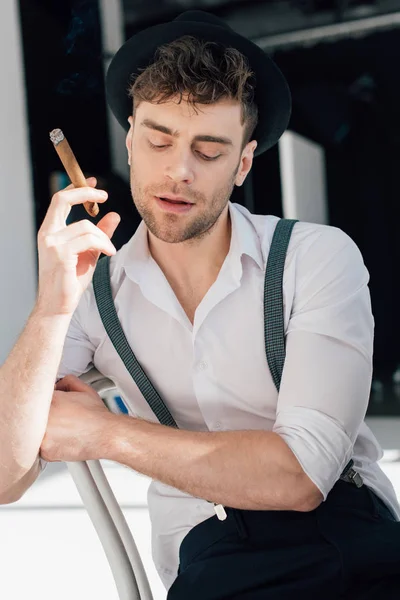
{"x":203,"y":72}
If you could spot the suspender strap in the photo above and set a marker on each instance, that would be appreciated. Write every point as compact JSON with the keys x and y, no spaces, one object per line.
{"x":108,"y":314}
{"x":273,"y":299}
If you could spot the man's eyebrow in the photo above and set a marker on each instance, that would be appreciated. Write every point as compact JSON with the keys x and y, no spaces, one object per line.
{"x":153,"y":125}
{"x":198,"y":138}
{"x":213,"y":138}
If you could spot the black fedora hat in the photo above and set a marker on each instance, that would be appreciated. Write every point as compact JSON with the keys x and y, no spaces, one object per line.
{"x":272,"y":94}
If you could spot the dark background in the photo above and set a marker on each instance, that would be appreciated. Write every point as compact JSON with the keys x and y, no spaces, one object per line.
{"x":346,"y":94}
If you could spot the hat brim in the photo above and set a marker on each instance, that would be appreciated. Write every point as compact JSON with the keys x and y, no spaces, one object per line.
{"x":272,"y":94}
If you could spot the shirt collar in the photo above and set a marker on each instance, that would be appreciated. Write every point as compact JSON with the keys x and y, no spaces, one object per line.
{"x":244,"y":240}
{"x":137,"y":255}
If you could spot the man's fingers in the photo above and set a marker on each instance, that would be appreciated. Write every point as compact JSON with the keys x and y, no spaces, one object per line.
{"x":70,"y":383}
{"x":87,"y":242}
{"x":76,"y":230}
{"x":62,"y":202}
{"x":109,"y":223}
{"x":91,"y":181}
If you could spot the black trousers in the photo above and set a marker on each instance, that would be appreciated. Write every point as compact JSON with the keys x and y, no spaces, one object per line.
{"x":347,"y":548}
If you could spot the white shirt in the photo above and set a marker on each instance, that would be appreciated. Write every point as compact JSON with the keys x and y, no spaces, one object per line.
{"x":214,"y":375}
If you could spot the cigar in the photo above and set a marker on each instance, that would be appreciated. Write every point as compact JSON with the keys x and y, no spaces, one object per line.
{"x":72,"y":167}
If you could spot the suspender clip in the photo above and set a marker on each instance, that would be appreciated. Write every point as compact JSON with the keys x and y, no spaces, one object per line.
{"x":220,"y":512}
{"x":355,"y":478}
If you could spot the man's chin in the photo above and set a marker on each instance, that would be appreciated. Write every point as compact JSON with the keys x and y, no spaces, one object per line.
{"x":170,"y":235}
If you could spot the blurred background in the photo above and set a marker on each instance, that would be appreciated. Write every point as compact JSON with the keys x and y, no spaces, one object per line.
{"x":337,"y":164}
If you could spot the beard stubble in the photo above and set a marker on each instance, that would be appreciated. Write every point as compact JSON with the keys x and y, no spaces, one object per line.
{"x":176,"y":228}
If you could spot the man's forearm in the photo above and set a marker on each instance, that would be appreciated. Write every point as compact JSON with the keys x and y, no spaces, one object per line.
{"x":253,"y":470}
{"x":26,"y":390}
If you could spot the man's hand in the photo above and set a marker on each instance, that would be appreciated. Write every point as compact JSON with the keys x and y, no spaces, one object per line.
{"x":78,"y":424}
{"x":68,"y":254}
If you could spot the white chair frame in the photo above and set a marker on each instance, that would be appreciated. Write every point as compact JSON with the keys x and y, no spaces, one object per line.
{"x":107,"y":517}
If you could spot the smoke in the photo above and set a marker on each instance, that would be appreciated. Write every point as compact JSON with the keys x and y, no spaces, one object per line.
{"x":82,"y":46}
{"x":77,"y":29}
{"x":83,"y":27}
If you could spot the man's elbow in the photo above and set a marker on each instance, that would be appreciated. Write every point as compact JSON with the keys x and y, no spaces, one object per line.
{"x":311,"y":496}
{"x":16,"y":491}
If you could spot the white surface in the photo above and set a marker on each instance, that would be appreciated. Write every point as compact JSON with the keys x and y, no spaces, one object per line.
{"x":386,"y":430}
{"x":48,"y":546}
{"x":17,"y":228}
{"x":302,"y":167}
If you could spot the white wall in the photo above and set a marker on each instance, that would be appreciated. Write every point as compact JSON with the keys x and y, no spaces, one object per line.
{"x":17,"y":230}
{"x":303,"y":182}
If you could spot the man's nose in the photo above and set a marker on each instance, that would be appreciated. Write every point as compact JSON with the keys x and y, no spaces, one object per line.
{"x":179,"y":168}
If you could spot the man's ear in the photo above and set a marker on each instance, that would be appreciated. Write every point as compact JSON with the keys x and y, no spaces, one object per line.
{"x":246,"y":162}
{"x":128,"y":140}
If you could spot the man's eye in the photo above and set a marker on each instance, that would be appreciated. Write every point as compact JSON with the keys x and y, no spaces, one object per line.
{"x":156,"y":146}
{"x":206,"y":157}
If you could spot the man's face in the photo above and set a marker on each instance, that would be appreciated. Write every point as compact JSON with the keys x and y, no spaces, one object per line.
{"x":184,"y":165}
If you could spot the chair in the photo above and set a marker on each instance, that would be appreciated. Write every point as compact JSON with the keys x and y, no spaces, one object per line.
{"x":106,"y":515}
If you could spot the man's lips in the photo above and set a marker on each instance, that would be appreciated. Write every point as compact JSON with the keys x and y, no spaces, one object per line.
{"x":175,"y":199}
{"x":167,"y":204}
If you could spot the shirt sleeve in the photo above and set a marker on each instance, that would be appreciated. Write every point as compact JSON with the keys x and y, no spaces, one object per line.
{"x":78,"y":351}
{"x":327,"y":373}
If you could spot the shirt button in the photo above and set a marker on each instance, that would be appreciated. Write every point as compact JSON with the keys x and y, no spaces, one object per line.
{"x":202,"y":365}
{"x":218,"y":425}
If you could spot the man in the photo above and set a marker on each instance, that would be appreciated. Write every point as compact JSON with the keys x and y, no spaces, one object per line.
{"x":188,"y":290}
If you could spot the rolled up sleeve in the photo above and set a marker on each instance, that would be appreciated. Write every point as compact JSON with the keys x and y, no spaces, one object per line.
{"x":327,"y":373}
